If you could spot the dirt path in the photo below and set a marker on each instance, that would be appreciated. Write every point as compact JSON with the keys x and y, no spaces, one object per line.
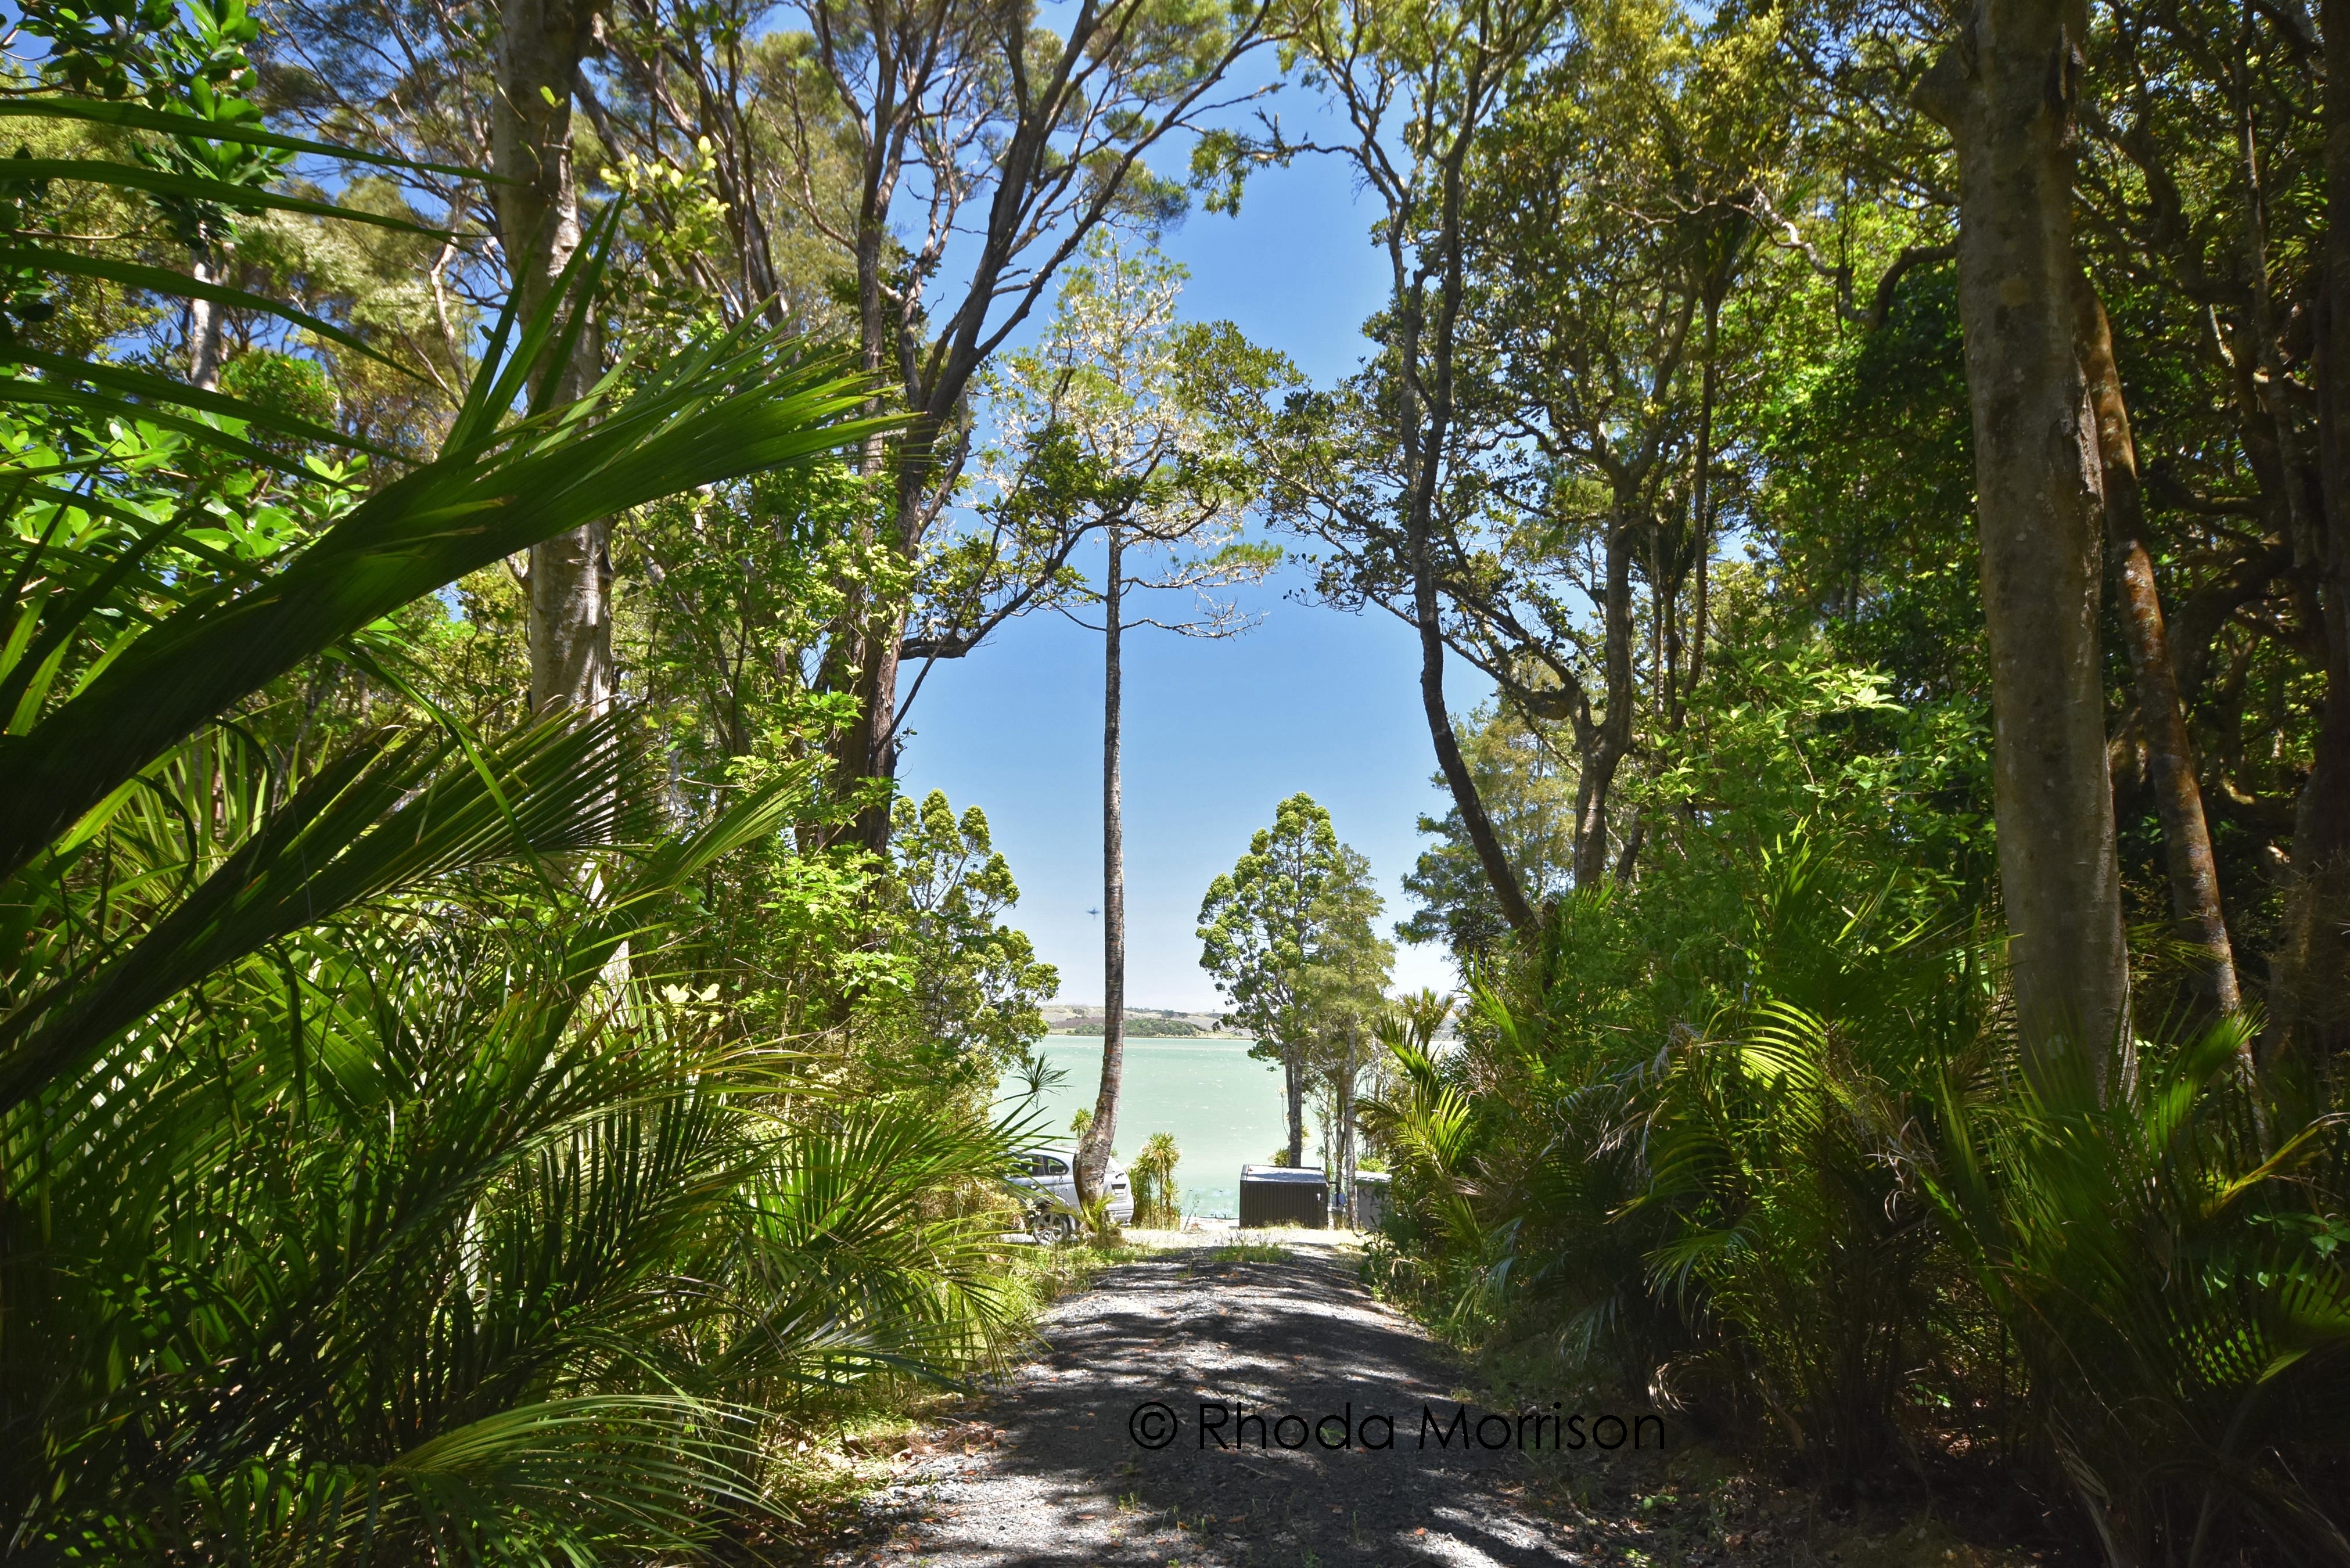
{"x":1058,"y":1469}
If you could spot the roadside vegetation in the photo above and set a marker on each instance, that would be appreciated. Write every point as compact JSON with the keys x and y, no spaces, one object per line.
{"x":1905,"y":1029}
{"x":433,"y":1126}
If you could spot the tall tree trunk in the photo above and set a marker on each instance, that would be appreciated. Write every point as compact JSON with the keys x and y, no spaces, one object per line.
{"x":1701,"y":498}
{"x":1093,"y":1158}
{"x":868,"y":748}
{"x":865,"y":655}
{"x":205,"y":321}
{"x":1425,"y":418}
{"x":1449,"y":760}
{"x":2004,"y":90}
{"x":537,"y":204}
{"x":872,"y":748}
{"x":2193,"y":875}
{"x":1603,"y":747}
{"x":2310,"y":997}
{"x":1293,"y":1068}
{"x":1345,"y":1195}
{"x":1664,"y":609}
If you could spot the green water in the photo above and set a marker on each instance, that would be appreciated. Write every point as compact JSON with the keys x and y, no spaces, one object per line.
{"x":1223,"y":1109}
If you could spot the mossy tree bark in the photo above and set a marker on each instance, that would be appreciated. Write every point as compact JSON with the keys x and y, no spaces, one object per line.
{"x":2004,"y":88}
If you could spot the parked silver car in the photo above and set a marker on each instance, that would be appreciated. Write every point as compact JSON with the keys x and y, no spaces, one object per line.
{"x":1050,"y":1173}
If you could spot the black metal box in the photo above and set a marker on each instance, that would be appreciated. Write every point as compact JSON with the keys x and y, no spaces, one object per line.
{"x":1285,"y":1195}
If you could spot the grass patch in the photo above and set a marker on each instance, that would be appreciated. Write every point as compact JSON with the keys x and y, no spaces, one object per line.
{"x":1037,"y":1277}
{"x":1249,"y":1252}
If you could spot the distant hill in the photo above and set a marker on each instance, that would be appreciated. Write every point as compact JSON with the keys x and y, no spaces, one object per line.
{"x":1141,"y":1023}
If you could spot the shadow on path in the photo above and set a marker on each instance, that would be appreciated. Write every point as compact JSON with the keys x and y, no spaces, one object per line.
{"x":1054,"y":1473}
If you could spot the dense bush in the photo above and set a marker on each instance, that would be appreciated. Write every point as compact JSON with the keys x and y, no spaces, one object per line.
{"x":392,"y":1168}
{"x":1753,"y":1136}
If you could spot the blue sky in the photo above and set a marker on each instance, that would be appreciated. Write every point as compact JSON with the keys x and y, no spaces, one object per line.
{"x":1216,"y":733}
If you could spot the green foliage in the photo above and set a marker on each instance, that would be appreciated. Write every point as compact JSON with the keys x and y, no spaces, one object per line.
{"x":731,"y":589}
{"x":1144,"y":1026}
{"x":1753,"y":1132}
{"x":1100,"y":430}
{"x":428,"y":1134}
{"x":975,"y":989}
{"x":1530,"y":797}
{"x":1157,"y":1202}
{"x":1101,"y":1231}
{"x":1870,"y":493}
{"x":718,"y":410}
{"x":893,"y":976}
{"x":1264,"y":921}
{"x":2171,"y":1264}
{"x":1036,"y":1073}
{"x":286,"y":385}
{"x":1434,"y":1243}
{"x":425,"y":1282}
{"x":1287,"y":935}
{"x":1251,"y":1252}
{"x":382,"y":1176}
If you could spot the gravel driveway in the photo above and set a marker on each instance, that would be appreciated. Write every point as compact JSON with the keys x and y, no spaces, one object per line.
{"x":1056,"y":1468}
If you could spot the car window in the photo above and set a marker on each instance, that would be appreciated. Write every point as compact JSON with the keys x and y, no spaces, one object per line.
{"x":1047,"y":1165}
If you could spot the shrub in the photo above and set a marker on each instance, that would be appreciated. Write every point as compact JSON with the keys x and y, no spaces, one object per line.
{"x":1158,"y":1205}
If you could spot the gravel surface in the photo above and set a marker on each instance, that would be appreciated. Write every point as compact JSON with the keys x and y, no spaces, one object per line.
{"x":1054,"y":1469}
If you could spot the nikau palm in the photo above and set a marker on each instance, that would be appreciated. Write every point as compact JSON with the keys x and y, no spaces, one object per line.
{"x":361,"y":1197}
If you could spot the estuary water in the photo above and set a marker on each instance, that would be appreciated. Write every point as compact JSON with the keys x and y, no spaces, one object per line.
{"x":1223,"y":1109}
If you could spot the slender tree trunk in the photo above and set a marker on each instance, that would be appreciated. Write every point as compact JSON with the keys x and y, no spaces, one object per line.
{"x":205,"y":322}
{"x":1093,"y":1159}
{"x":1449,"y":760}
{"x":2309,"y":996}
{"x":1425,"y":416}
{"x":1701,"y":498}
{"x":571,"y":621}
{"x":537,"y":204}
{"x":1664,"y":609}
{"x":1293,"y":1066}
{"x":2193,"y":875}
{"x":872,"y":750}
{"x":1491,"y":855}
{"x":1612,"y":736}
{"x":869,"y":749}
{"x":2004,"y":90}
{"x":857,"y":659}
{"x":1345,"y":1193}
